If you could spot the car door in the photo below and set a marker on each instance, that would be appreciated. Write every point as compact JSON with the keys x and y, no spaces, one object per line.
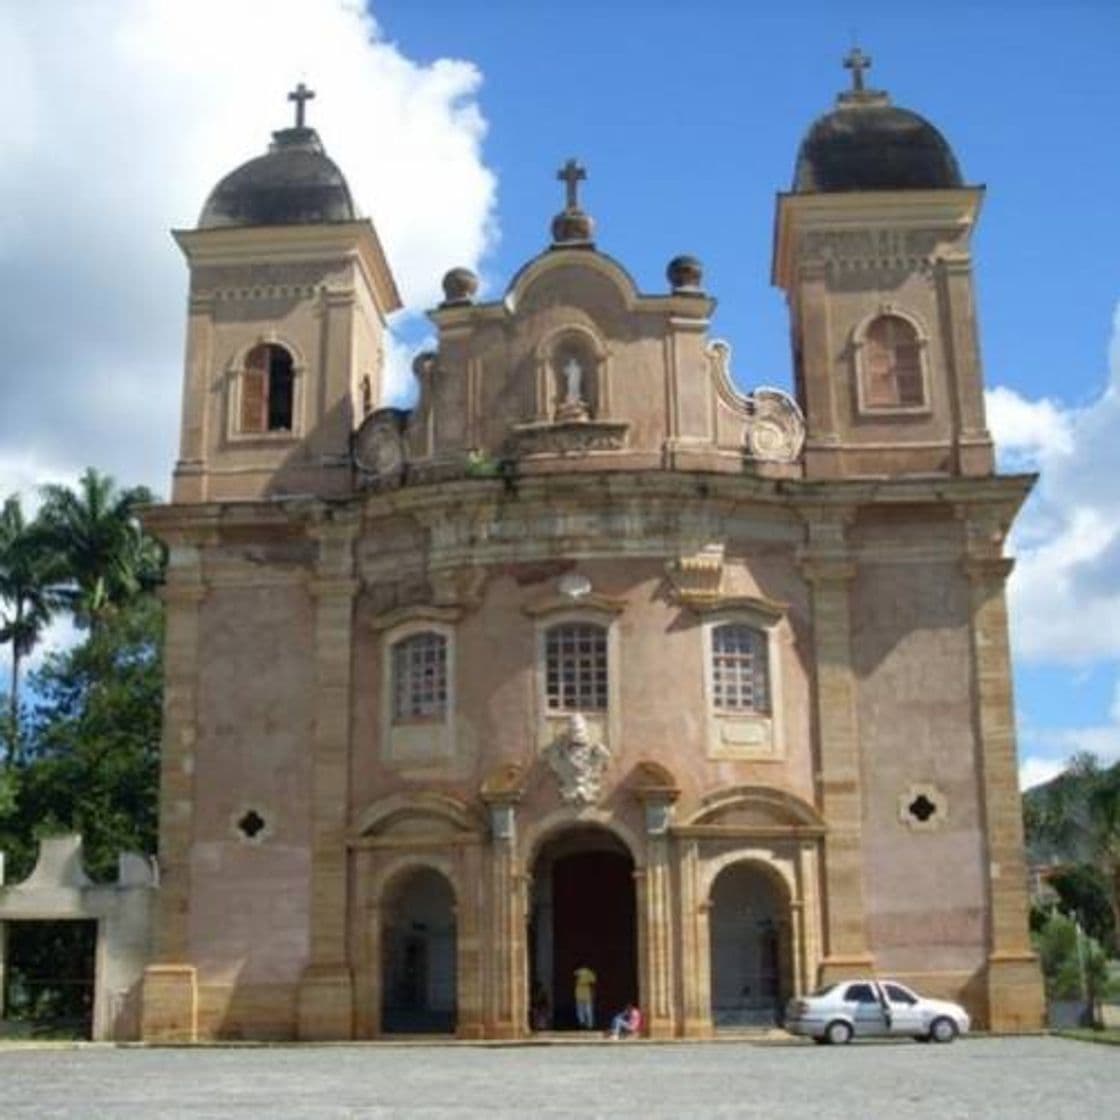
{"x":866,"y":1009}
{"x":906,"y":1018}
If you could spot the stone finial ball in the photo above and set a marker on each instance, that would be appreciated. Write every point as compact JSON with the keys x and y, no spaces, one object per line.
{"x":572,"y":227}
{"x":459,"y":286}
{"x":685,"y":274}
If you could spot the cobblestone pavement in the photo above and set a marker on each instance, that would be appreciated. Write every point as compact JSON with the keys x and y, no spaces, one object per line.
{"x":980,"y":1077}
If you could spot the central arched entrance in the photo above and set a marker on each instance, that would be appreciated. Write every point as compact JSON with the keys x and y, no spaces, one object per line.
{"x":418,"y":978}
{"x":583,"y":915}
{"x":751,"y":961}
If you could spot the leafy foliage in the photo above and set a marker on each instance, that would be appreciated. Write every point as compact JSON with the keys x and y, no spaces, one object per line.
{"x":84,"y":755}
{"x":107,"y":557}
{"x":1074,"y":965}
{"x":29,"y":569}
{"x":1075,"y":819}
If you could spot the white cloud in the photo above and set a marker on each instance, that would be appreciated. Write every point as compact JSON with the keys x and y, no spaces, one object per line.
{"x":119,"y":119}
{"x":1036,"y":771}
{"x":1065,"y":590}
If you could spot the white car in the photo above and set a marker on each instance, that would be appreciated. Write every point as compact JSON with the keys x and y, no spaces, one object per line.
{"x":865,"y":1008}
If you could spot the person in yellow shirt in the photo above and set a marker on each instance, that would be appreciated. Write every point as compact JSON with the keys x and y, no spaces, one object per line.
{"x":585,"y":997}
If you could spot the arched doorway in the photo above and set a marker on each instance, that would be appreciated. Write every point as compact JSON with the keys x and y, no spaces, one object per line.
{"x":751,"y":962}
{"x":418,"y":975}
{"x":583,"y":915}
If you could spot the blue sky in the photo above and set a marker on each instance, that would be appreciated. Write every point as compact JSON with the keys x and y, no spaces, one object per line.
{"x":450,"y":120}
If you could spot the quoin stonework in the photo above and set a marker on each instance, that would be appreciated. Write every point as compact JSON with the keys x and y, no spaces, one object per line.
{"x":591,"y":659}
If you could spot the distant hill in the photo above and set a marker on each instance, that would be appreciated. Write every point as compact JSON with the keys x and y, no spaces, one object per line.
{"x":1062,"y":798}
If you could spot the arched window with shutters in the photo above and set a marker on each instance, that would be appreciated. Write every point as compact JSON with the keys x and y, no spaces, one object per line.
{"x":891,"y":365}
{"x":267,"y":399}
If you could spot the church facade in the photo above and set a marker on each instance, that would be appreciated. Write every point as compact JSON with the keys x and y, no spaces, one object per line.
{"x":590,"y":660}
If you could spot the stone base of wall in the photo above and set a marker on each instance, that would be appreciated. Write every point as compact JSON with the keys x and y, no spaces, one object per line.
{"x":325,"y":1009}
{"x":169,"y":1003}
{"x":1015,"y":997}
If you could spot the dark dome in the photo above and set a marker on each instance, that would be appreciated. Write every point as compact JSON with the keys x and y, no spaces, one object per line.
{"x":867,"y":144}
{"x":295,"y":183}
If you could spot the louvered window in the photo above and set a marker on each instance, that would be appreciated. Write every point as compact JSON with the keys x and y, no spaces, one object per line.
{"x":892,"y":365}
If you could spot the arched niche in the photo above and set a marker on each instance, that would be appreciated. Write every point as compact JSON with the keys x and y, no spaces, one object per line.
{"x":419,"y":952}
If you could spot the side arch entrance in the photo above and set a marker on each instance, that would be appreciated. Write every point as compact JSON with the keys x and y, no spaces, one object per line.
{"x":583,"y":914}
{"x":750,"y":946}
{"x":418,"y":955}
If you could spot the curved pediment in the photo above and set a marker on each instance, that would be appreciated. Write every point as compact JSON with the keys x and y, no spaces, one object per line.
{"x":757,"y":807}
{"x":575,"y":277}
{"x":417,"y":813}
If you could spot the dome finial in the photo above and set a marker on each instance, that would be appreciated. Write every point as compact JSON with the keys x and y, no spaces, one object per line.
{"x":572,"y":227}
{"x":301,"y":95}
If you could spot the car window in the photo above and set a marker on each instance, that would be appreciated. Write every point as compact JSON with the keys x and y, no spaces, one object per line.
{"x":860,"y":993}
{"x":897,"y":994}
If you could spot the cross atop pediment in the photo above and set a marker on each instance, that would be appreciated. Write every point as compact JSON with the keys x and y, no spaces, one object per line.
{"x":571,"y":174}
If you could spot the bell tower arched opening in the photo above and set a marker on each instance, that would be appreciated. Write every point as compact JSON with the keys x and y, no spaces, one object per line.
{"x":418,"y":943}
{"x":583,"y":916}
{"x":750,"y":946}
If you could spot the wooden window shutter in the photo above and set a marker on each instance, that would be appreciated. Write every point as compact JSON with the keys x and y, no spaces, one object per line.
{"x":253,"y":390}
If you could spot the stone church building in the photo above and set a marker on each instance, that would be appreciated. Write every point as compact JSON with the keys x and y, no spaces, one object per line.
{"x":589,"y":659}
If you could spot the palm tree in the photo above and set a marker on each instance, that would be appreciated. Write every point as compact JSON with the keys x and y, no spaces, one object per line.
{"x":106,"y":556}
{"x":28,"y":572}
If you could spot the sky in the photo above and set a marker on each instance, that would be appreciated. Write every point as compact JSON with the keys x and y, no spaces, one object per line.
{"x":450,"y":120}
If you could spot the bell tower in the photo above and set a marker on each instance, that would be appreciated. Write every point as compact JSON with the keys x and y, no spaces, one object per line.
{"x":873,"y":251}
{"x":289,"y":294}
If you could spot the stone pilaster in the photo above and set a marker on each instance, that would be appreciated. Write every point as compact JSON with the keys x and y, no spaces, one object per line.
{"x":1015,"y":1000}
{"x":189,"y":483}
{"x":829,"y":571}
{"x":658,"y":967}
{"x":326,"y":990}
{"x":962,"y":354}
{"x":470,"y":1021}
{"x":169,"y":1001}
{"x":695,"y":987}
{"x":507,"y":1013}
{"x":822,"y":455}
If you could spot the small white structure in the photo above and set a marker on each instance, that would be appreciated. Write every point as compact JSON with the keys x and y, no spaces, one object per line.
{"x":60,"y":890}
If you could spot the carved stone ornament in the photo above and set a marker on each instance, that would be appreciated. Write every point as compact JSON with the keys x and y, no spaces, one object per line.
{"x":697,"y":577}
{"x":379,"y":444}
{"x":776,"y":431}
{"x":773,"y":422}
{"x":578,"y":763}
{"x":569,"y":437}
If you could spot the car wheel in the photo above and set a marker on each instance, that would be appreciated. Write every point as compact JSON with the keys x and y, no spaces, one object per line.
{"x":942,"y":1030}
{"x":838,"y":1032}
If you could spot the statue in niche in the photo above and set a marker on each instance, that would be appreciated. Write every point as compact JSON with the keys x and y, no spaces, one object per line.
{"x":572,"y":405}
{"x":578,"y":763}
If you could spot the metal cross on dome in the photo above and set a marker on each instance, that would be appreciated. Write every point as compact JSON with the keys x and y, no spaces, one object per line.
{"x":856,"y":61}
{"x":300,"y":95}
{"x":570,"y":175}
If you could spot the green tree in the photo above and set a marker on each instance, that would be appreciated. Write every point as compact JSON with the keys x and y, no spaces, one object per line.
{"x":106,"y":556}
{"x":29,"y":569}
{"x":1077,"y":818}
{"x":1083,"y":894}
{"x":92,"y":752}
{"x":1074,"y":965}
